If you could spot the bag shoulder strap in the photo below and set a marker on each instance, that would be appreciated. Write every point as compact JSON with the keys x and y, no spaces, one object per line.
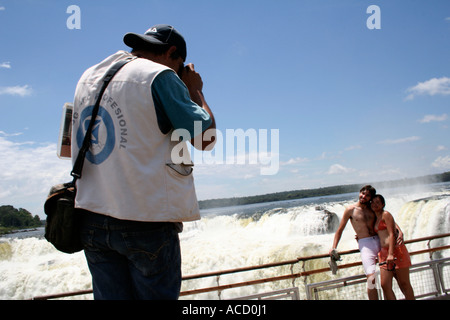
{"x":78,"y":166}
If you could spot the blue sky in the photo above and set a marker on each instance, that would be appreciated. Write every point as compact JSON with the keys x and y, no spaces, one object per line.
{"x":351,"y":104}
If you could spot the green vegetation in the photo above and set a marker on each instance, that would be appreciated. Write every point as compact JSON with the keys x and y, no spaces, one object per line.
{"x":12,"y":219}
{"x":320,"y":192}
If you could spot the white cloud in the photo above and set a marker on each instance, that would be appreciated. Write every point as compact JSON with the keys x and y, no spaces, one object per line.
{"x":435,"y":86}
{"x":442,"y":163}
{"x":323,"y":156}
{"x":431,"y":117}
{"x":296,"y":160}
{"x":2,"y":8}
{"x":27,"y":171}
{"x":397,"y":141}
{"x":3,"y":133}
{"x":353,"y":148}
{"x":338,"y":169}
{"x":5,"y":65}
{"x":441,"y":148}
{"x":16,"y":90}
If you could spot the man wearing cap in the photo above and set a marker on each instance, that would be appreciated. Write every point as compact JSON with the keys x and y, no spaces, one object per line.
{"x":133,"y":195}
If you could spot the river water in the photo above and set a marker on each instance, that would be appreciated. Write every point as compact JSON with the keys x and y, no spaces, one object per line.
{"x":232,"y":237}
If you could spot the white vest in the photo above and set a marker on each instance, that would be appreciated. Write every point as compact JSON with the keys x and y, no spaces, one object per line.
{"x":125,"y":175}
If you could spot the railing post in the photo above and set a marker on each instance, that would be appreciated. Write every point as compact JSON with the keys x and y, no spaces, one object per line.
{"x":304,"y":272}
{"x":219,"y":292}
{"x":437,"y":276}
{"x":429,"y":248}
{"x":292,"y":273}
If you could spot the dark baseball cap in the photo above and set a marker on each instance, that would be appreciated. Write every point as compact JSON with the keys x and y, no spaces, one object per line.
{"x":161,"y":34}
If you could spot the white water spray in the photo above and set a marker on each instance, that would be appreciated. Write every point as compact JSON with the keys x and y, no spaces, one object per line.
{"x":229,"y":238}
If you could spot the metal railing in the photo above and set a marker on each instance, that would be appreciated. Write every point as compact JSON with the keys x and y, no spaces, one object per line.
{"x":290,"y":293}
{"x":289,"y":279}
{"x":429,"y":279}
{"x":304,"y":274}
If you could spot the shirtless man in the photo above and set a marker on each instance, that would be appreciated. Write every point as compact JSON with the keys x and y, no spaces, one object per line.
{"x":362,"y":219}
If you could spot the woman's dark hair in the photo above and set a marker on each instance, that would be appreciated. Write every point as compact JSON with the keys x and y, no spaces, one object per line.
{"x":379,"y":196}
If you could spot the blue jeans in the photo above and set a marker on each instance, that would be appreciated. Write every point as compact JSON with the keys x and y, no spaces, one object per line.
{"x":131,"y":259}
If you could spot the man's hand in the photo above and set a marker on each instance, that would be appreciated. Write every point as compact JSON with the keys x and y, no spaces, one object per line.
{"x":193,"y":82}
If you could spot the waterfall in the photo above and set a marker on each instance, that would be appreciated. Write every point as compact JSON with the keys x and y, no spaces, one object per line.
{"x":425,"y":217}
{"x":235,"y":237}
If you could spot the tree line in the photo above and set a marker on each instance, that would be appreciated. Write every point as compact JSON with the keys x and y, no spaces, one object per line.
{"x":320,"y":192}
{"x":11,"y":217}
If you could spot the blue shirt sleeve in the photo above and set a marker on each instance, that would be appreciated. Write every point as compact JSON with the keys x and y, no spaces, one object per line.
{"x":174,"y":106}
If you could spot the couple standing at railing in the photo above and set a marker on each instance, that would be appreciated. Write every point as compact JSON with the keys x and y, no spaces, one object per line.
{"x":378,"y":236}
